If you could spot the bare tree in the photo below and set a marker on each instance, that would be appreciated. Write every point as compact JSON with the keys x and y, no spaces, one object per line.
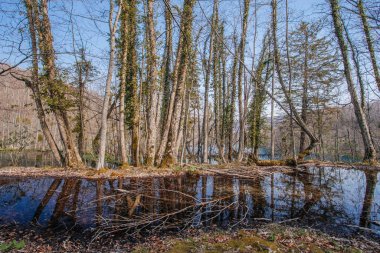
{"x":123,"y":77}
{"x":368,"y":38}
{"x":183,"y":52}
{"x":112,"y":23}
{"x":153,"y":87}
{"x":370,"y":152}
{"x":240,"y":80}
{"x":313,"y":140}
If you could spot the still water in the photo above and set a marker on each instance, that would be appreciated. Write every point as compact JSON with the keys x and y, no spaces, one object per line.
{"x":326,"y":198}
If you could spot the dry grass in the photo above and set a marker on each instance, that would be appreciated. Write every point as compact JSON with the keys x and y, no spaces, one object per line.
{"x":125,"y":172}
{"x":265,"y":168}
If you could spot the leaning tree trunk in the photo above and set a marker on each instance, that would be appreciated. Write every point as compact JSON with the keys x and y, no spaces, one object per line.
{"x":57,"y":95}
{"x":355,"y":58}
{"x":290,"y":83}
{"x":370,"y":152}
{"x":313,"y":140}
{"x":169,"y":158}
{"x":34,"y":85}
{"x":368,"y":38}
{"x":168,"y":119}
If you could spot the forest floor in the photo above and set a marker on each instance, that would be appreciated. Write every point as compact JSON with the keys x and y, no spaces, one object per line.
{"x":230,"y":169}
{"x":264,"y":238}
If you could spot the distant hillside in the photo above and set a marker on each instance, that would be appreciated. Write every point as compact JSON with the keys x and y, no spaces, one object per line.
{"x":19,"y":125}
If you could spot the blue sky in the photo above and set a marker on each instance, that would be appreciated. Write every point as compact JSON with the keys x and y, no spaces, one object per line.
{"x":89,"y":23}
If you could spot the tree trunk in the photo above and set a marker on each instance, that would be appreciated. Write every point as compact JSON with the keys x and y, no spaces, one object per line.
{"x":54,"y":86}
{"x":368,"y":38}
{"x":355,"y":58}
{"x":133,"y":107}
{"x":290,"y":84}
{"x":123,"y":72}
{"x":240,"y":80}
{"x":153,"y":89}
{"x":313,"y":140}
{"x":165,"y":134}
{"x":207,"y":81}
{"x":185,"y":43}
{"x":272,"y":115}
{"x":167,"y":61}
{"x":233,"y":98}
{"x":103,"y":134}
{"x":34,"y":85}
{"x":370,"y":152}
{"x":305,"y":86}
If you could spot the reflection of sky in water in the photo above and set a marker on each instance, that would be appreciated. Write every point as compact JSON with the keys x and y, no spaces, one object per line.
{"x":328,"y":195}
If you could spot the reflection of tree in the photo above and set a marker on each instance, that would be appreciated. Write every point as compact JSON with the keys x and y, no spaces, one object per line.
{"x":312,"y":192}
{"x":320,"y":190}
{"x":99,"y":201}
{"x":259,"y":202}
{"x":173,"y":203}
{"x":64,"y":208}
{"x":371,"y":181}
{"x":45,"y":200}
{"x":63,"y":200}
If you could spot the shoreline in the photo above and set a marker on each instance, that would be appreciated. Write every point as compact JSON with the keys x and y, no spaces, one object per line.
{"x":229,"y":169}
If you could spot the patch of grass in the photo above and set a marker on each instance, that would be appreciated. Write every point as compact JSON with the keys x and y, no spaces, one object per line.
{"x":184,"y":246}
{"x":274,"y":238}
{"x":221,"y":242}
{"x":13,"y":245}
{"x":271,"y":163}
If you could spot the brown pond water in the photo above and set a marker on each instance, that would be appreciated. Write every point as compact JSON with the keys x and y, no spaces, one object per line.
{"x":325,"y":198}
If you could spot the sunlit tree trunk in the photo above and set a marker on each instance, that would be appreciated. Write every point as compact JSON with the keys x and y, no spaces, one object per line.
{"x":34,"y":84}
{"x":168,"y":119}
{"x":152,"y":83}
{"x":103,"y":134}
{"x":207,"y":82}
{"x":184,"y":43}
{"x":55,"y":89}
{"x":167,"y":84}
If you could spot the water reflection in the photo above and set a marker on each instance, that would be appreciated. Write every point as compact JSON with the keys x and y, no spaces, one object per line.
{"x":318,"y":197}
